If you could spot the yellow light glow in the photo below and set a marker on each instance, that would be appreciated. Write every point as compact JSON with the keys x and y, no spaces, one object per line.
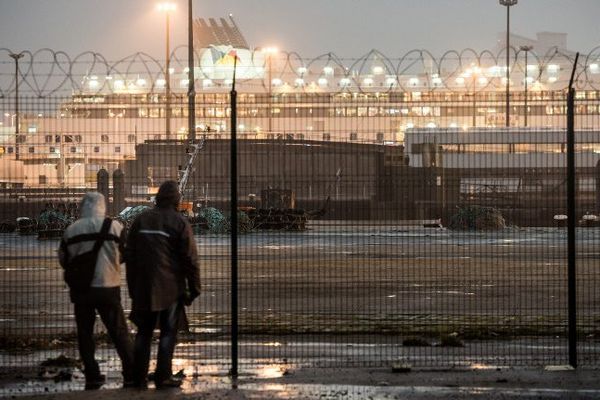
{"x":269,"y":50}
{"x":166,"y":6}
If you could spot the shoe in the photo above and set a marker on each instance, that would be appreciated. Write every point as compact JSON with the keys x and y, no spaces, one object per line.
{"x":94,"y":383}
{"x":168,"y":383}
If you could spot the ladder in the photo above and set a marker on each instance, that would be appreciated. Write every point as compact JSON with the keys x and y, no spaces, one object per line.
{"x":184,"y":174}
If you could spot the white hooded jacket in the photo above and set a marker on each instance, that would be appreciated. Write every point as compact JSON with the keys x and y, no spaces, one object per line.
{"x":93,"y":211}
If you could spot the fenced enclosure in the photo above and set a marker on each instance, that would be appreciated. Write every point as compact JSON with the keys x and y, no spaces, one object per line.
{"x":374,"y":227}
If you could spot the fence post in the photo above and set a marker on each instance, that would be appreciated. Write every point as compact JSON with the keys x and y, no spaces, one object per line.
{"x":234,"y":229}
{"x":597,"y":211}
{"x":571,"y":255}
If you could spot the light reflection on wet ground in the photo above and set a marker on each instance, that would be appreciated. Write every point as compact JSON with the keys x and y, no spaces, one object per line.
{"x":266,"y":382}
{"x":344,"y":246}
{"x":259,"y":374}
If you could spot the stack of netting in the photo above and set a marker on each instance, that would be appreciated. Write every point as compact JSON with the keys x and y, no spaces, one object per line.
{"x":477,"y":218}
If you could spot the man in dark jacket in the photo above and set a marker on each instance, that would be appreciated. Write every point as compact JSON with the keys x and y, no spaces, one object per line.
{"x":162,"y":275}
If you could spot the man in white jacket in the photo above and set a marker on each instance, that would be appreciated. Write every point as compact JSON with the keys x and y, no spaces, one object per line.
{"x":104,"y":294}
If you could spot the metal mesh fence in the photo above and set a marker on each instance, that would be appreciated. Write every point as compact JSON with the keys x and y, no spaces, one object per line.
{"x":374,"y":228}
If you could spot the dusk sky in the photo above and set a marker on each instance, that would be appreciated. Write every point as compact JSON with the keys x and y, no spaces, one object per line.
{"x":349,"y":28}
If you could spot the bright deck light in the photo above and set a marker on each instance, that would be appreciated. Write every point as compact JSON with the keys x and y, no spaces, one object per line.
{"x":166,"y":6}
{"x":269,"y":50}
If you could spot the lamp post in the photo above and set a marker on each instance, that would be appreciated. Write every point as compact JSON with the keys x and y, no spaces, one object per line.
{"x":191,"y":78}
{"x":474,"y":71}
{"x":526,"y":49}
{"x":16,"y":57}
{"x":167,"y":8}
{"x":508,"y":4}
{"x":269,"y":52}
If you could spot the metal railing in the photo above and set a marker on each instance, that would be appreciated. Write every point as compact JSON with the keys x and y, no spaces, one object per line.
{"x":365,"y":250}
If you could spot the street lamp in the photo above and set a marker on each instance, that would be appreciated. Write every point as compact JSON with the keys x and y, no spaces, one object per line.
{"x":508,"y":4}
{"x":191,"y":78}
{"x":269,"y":52}
{"x":475,"y":74}
{"x":526,"y":49}
{"x":16,"y":57}
{"x":167,"y":8}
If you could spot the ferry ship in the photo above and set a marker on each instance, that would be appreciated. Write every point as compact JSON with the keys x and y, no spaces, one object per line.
{"x":372,"y":105}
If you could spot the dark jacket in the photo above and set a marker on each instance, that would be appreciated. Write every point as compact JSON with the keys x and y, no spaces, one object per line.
{"x":161,"y":260}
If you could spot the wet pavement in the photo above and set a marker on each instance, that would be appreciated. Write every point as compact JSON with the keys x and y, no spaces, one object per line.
{"x":315,"y":301}
{"x":288,"y":382}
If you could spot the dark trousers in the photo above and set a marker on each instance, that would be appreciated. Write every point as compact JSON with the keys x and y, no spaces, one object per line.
{"x":146,"y":322}
{"x":107,"y":301}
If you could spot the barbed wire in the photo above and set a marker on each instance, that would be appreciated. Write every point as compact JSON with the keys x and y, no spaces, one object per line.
{"x":46,"y":72}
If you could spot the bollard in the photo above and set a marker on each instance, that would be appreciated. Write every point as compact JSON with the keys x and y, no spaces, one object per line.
{"x":118,"y":192}
{"x":102,"y":185}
